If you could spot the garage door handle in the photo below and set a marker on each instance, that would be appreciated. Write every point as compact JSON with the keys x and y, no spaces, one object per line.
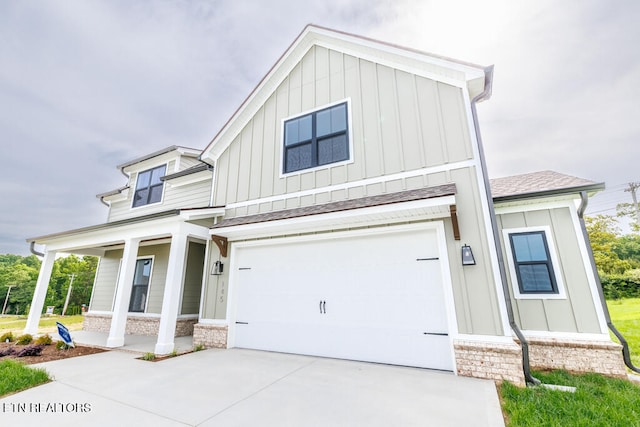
{"x":323,"y":307}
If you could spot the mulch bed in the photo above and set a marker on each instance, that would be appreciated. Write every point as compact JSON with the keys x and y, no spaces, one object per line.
{"x":49,"y":353}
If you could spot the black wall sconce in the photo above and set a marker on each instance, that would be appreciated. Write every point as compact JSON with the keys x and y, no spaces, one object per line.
{"x":467,"y":256}
{"x":217,"y":268}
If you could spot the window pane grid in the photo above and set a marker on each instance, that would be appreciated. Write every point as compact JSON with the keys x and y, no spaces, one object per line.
{"x":533,"y":266}
{"x":149,"y":187}
{"x":316,"y":139}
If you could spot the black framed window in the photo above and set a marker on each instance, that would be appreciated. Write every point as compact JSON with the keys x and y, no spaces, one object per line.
{"x":140,"y":288}
{"x":316,"y":139}
{"x":149,"y":186}
{"x":534,"y":269}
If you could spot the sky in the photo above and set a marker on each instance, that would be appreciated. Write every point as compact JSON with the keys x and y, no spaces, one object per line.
{"x":88,"y":85}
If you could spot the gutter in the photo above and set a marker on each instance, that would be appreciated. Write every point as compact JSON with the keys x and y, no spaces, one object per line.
{"x":485,"y":94}
{"x":32,"y":248}
{"x":626,"y":354}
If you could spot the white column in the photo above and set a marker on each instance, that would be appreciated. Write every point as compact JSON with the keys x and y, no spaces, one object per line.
{"x":42,"y":285}
{"x":171,"y":298}
{"x":123,"y":293}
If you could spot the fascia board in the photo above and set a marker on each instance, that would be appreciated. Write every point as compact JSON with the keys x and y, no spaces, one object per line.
{"x":451,"y":72}
{"x":375,"y":215}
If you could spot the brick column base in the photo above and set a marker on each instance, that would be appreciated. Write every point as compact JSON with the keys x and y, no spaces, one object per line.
{"x":490,"y":360}
{"x":210,"y":336}
{"x":136,"y":325}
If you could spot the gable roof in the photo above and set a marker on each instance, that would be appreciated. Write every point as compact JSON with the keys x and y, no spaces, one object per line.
{"x":184,"y":151}
{"x":435,"y":67}
{"x":539,"y":184}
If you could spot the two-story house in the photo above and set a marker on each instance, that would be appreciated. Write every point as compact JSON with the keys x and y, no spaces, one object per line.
{"x":344,"y":210}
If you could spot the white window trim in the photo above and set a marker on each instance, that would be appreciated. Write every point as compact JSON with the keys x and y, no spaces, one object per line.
{"x":133,"y":193}
{"x":346,"y":101}
{"x":553,"y":255}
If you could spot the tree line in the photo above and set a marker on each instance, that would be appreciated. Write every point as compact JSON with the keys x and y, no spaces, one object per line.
{"x":617,"y":257}
{"x":18,"y":276}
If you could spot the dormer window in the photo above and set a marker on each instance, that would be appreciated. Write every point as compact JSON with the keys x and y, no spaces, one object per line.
{"x":149,"y":187}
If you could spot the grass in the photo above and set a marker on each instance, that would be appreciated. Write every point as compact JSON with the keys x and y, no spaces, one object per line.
{"x":625,"y":314}
{"x":14,"y":377}
{"x":16,"y":324}
{"x":598,"y":401}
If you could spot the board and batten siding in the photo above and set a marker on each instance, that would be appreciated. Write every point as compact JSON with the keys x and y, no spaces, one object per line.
{"x":193,"y":279}
{"x":104,"y":286}
{"x":107,"y":275}
{"x":575,"y":313}
{"x":399,"y":122}
{"x":195,"y":195}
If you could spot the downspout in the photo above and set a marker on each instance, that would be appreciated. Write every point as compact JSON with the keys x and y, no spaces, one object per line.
{"x":488,"y":72}
{"x":626,"y":354}
{"x":32,"y":248}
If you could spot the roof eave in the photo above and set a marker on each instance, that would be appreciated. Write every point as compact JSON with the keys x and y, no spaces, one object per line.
{"x":591,"y":188}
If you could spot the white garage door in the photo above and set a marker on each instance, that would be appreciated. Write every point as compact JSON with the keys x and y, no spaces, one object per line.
{"x":376,"y":298}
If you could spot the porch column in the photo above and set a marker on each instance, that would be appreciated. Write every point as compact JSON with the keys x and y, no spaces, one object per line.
{"x":171,"y":298}
{"x":42,"y":285}
{"x":123,"y":293}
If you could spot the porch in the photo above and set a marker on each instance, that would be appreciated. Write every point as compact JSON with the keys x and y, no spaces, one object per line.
{"x":132,"y":343}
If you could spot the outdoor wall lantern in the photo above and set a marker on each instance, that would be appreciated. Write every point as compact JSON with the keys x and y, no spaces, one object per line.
{"x":217,"y":268}
{"x":467,"y":256}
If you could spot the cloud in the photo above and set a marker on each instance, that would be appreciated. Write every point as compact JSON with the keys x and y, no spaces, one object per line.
{"x":85,"y":86}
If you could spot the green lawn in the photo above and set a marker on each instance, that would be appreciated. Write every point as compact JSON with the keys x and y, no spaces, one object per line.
{"x":16,"y":324}
{"x":598,"y":401}
{"x":625,"y":315}
{"x":15,"y":376}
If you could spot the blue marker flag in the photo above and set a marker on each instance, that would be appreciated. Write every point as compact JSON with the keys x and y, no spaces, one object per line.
{"x":64,"y":334}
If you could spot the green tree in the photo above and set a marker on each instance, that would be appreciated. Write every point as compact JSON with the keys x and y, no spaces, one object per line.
{"x":18,"y":277}
{"x":604,"y":235}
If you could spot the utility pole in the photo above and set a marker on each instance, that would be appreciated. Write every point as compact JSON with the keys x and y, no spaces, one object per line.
{"x":633,"y":187}
{"x":4,"y":307}
{"x":66,"y":302}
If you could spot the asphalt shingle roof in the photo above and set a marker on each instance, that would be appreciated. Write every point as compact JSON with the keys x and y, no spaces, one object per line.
{"x":536,"y":182}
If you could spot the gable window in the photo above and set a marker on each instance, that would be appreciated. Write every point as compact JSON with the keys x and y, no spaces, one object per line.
{"x":140,"y":288}
{"x":316,"y":139}
{"x":149,"y":187}
{"x":532,"y":262}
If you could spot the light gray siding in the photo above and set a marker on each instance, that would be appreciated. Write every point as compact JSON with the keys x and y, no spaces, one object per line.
{"x":216,"y":288}
{"x":105,"y":284}
{"x":577,"y":312}
{"x":193,"y":279}
{"x":195,"y":195}
{"x":399,"y":122}
{"x":107,"y":275}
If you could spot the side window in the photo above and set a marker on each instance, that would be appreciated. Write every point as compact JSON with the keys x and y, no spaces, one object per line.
{"x":140,"y":288}
{"x":149,"y":187}
{"x":316,"y":139}
{"x":533,"y":263}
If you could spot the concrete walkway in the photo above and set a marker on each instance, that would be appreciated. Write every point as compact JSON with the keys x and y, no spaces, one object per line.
{"x":248,"y":388}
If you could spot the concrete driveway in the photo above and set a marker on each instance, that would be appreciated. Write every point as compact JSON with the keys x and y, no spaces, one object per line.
{"x":248,"y":388}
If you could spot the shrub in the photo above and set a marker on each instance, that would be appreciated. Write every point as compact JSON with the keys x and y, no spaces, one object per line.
{"x":7,"y":351}
{"x":44,"y":340}
{"x":616,"y":286}
{"x":148,"y":356}
{"x":61,"y":345}
{"x":24,"y":339}
{"x":31,"y":350}
{"x":7,"y":337}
